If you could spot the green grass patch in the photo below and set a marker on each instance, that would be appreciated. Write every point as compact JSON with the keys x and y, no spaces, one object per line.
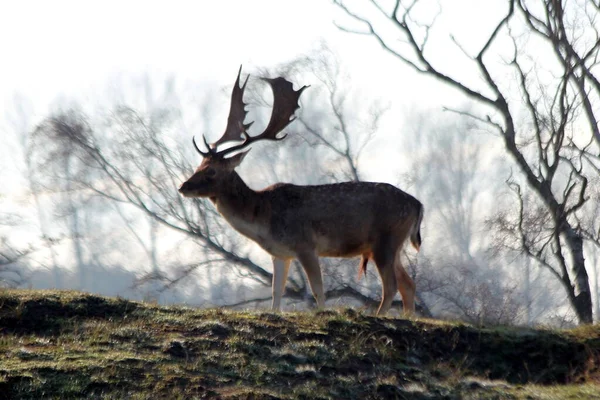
{"x":64,"y":344}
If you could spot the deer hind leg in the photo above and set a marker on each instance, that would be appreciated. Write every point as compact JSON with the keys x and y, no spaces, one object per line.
{"x":281,"y":268}
{"x":383,"y":255}
{"x":310,"y":263}
{"x":405,"y":284}
{"x":406,"y":287}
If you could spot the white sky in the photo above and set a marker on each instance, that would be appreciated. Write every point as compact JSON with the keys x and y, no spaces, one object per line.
{"x":50,"y":48}
{"x":73,"y":49}
{"x":58,"y":48}
{"x":67,"y":46}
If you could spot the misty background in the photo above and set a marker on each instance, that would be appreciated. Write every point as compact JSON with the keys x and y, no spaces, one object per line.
{"x":487,"y":114}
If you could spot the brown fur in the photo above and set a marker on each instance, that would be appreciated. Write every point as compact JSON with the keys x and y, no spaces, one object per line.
{"x":349,"y":219}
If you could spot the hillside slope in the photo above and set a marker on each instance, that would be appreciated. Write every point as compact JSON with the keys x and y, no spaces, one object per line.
{"x":57,"y":344}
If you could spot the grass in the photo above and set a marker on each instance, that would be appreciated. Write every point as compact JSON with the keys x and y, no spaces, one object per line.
{"x":64,"y":344}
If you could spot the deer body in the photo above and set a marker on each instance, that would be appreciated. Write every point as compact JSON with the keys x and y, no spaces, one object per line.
{"x":348,"y":219}
{"x":336,"y":220}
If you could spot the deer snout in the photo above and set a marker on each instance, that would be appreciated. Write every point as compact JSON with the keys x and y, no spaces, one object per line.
{"x":192,"y":188}
{"x":185,"y":187}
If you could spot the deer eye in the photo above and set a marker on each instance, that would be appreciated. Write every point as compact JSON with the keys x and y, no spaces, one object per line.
{"x":210,"y":172}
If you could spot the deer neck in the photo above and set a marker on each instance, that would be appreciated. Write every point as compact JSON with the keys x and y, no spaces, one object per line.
{"x":240,"y":205}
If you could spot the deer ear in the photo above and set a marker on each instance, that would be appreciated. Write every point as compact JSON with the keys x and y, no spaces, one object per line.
{"x":236,"y":160}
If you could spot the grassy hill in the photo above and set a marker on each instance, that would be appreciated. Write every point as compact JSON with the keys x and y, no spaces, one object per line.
{"x":56,"y":344}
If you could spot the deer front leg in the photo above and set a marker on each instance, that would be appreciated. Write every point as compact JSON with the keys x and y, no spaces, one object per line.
{"x":310,"y":263}
{"x":280,"y":273}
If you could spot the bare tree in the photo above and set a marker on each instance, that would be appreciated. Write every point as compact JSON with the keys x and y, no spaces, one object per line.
{"x":456,"y":275}
{"x":156,"y":109}
{"x":20,"y":123}
{"x":12,"y":265}
{"x":11,"y":273}
{"x":137,"y":168}
{"x":540,"y":122}
{"x":334,"y":121}
{"x":55,"y":170}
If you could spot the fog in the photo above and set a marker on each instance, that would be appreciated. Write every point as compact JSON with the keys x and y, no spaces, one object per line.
{"x":100,"y":104}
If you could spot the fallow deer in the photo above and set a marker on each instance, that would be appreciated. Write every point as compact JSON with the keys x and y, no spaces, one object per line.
{"x":348,"y":219}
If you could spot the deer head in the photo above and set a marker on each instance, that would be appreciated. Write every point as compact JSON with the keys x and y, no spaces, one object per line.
{"x":215,"y":169}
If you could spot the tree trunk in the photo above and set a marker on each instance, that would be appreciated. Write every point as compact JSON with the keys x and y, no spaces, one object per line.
{"x":74,"y":230}
{"x":582,"y":296}
{"x":528,"y":291}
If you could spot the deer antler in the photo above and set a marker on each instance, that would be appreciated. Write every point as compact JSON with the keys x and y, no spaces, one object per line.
{"x":210,"y":151}
{"x":237,"y":113}
{"x":285,"y":103}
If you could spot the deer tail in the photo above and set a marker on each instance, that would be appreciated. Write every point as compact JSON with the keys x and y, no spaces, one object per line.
{"x":362,"y":269}
{"x":415,"y":235}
